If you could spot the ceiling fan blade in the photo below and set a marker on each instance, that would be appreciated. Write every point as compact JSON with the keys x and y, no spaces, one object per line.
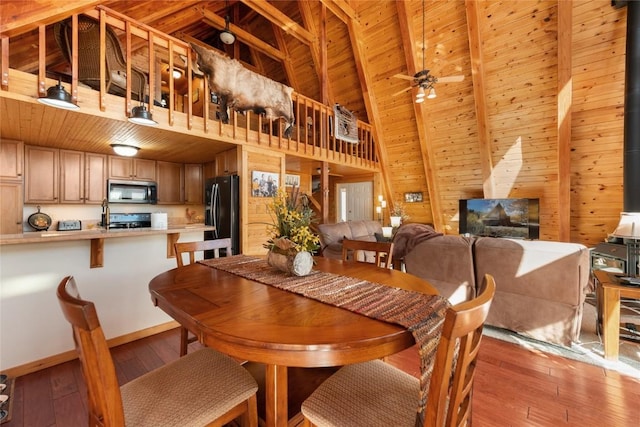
{"x":451,"y":79}
{"x":402,"y":91}
{"x":402,"y":76}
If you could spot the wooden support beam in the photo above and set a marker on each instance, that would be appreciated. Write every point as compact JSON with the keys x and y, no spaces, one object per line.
{"x":422,"y":118}
{"x":18,"y":17}
{"x":480,"y":98}
{"x":565,"y":101}
{"x":280,"y":20}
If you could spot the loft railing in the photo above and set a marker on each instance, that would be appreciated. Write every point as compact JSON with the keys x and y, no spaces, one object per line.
{"x":313,"y":135}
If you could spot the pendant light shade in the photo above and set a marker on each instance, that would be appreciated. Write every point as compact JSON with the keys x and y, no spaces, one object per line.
{"x":141,"y":116}
{"x":226,"y":35}
{"x":59,"y":98}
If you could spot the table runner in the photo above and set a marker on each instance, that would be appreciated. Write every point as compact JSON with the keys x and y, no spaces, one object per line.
{"x":422,"y":314}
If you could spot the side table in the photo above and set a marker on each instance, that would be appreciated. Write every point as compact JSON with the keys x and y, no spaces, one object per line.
{"x":608,"y":294}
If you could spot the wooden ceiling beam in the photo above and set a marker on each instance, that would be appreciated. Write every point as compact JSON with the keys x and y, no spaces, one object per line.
{"x":247,"y":38}
{"x":18,"y":17}
{"x":341,"y":9}
{"x":478,"y":75}
{"x":280,"y":20}
{"x":422,"y":117}
{"x":316,"y":49}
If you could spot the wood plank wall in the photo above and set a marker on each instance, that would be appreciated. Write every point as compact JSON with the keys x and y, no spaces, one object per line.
{"x":519,"y":50}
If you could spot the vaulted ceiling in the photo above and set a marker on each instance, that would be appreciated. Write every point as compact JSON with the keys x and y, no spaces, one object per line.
{"x":504,"y":131}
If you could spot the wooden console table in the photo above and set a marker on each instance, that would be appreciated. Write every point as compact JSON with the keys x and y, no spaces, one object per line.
{"x":608,"y":296}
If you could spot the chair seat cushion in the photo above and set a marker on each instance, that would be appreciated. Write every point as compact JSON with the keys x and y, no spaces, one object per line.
{"x":199,"y":387}
{"x":365,"y":394}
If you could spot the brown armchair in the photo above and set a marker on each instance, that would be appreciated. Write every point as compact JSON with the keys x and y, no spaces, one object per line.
{"x":89,"y":57}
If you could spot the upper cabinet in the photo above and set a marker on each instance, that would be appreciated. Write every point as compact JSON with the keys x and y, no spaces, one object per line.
{"x":132,"y":168}
{"x":83,"y":177}
{"x":193,"y":184}
{"x":11,"y":160}
{"x":170,"y":178}
{"x":227,"y":162}
{"x":41,"y":179}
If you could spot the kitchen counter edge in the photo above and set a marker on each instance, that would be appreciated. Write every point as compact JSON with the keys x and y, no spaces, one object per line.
{"x":59,"y":236}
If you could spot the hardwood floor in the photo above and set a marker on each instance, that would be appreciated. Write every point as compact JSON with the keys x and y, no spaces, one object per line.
{"x":513,"y":387}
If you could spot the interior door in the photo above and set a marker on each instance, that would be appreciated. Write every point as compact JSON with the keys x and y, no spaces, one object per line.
{"x":354,"y":201}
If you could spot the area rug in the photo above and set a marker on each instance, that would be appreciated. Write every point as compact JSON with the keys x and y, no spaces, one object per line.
{"x":590,"y":348}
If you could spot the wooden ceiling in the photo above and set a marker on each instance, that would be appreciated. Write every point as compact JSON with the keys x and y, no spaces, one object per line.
{"x":538,"y":113}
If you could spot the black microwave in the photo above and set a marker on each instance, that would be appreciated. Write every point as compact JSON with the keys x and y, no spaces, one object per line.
{"x":121,"y":191}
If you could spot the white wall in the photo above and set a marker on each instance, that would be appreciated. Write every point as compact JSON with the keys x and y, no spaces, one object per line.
{"x":32,"y":326}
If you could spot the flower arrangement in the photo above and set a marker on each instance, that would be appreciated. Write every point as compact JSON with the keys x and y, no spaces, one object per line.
{"x":398,"y":210}
{"x":291,"y":232}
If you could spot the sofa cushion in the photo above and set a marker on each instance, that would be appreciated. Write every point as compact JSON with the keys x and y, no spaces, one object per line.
{"x":362,"y":228}
{"x":445,"y":261}
{"x":334,"y":233}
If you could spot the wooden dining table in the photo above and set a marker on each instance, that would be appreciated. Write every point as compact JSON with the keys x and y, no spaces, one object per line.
{"x":253,"y":321}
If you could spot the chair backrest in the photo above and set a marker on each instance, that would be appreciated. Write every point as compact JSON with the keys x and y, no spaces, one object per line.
{"x":204,"y":245}
{"x":105,"y":400}
{"x":383,"y":251}
{"x":449,"y":401}
{"x":89,"y":54}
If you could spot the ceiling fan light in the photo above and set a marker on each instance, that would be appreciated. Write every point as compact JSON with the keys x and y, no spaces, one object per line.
{"x":58,"y":97}
{"x":125,"y":150}
{"x":419,"y":100}
{"x":432,"y":93}
{"x":141,"y":116}
{"x":420,"y":93}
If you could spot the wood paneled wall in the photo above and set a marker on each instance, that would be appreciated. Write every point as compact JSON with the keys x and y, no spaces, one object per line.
{"x":518,"y":50}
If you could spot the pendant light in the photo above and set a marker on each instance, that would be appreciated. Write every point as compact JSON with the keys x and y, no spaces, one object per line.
{"x":226,"y":35}
{"x":141,"y":116}
{"x":58,"y":97}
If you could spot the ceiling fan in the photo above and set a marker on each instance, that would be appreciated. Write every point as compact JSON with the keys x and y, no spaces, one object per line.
{"x":422,"y":79}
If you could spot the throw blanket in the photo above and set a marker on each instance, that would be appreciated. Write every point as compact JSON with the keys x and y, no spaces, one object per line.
{"x":422,"y":314}
{"x":409,"y":236}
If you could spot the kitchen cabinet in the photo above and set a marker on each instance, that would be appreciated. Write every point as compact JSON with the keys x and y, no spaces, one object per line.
{"x":95,"y":178}
{"x":71,"y":176}
{"x":227,"y":162}
{"x":83,"y":177}
{"x":11,"y":207}
{"x":170,"y":179}
{"x":193,"y":184}
{"x":11,"y":186}
{"x":11,"y":160}
{"x":132,"y":168}
{"x":41,"y":178}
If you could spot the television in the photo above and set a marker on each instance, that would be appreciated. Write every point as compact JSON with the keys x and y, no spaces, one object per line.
{"x":513,"y":218}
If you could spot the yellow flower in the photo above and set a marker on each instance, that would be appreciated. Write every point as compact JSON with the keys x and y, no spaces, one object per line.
{"x":292,"y":220}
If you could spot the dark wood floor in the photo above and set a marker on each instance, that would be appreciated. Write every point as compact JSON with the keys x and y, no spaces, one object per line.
{"x":514,"y":387}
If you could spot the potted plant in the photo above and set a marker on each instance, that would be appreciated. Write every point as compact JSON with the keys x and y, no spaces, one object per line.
{"x":292,"y":242}
{"x":397,"y":214}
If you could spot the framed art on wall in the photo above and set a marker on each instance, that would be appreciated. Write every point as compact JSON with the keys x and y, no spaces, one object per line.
{"x":264,"y":184}
{"x":414,"y":197}
{"x":292,"y":180}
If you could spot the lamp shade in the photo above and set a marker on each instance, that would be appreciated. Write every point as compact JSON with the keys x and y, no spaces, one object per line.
{"x":125,"y":150}
{"x":58,"y":97}
{"x":629,"y":226}
{"x":141,"y":116}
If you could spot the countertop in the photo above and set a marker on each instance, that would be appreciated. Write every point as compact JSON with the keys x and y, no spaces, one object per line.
{"x":97,"y":233}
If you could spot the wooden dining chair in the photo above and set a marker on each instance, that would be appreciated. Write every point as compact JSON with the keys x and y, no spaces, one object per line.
{"x":383,"y":251}
{"x":378,"y":394}
{"x":204,"y":388}
{"x":191,"y":248}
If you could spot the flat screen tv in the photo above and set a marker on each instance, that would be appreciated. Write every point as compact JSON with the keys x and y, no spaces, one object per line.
{"x":514,"y":218}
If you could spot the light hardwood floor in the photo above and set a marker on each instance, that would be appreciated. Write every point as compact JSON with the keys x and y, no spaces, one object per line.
{"x":513,"y":387}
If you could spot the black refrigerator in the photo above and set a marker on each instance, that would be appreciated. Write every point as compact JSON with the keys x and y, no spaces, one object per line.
{"x":222,"y":210}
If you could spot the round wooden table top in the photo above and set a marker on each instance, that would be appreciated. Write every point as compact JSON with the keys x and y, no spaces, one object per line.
{"x":261,"y":323}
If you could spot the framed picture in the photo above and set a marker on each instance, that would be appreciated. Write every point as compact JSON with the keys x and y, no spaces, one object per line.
{"x":264,"y":184}
{"x":292,"y":180}
{"x":415,"y":197}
